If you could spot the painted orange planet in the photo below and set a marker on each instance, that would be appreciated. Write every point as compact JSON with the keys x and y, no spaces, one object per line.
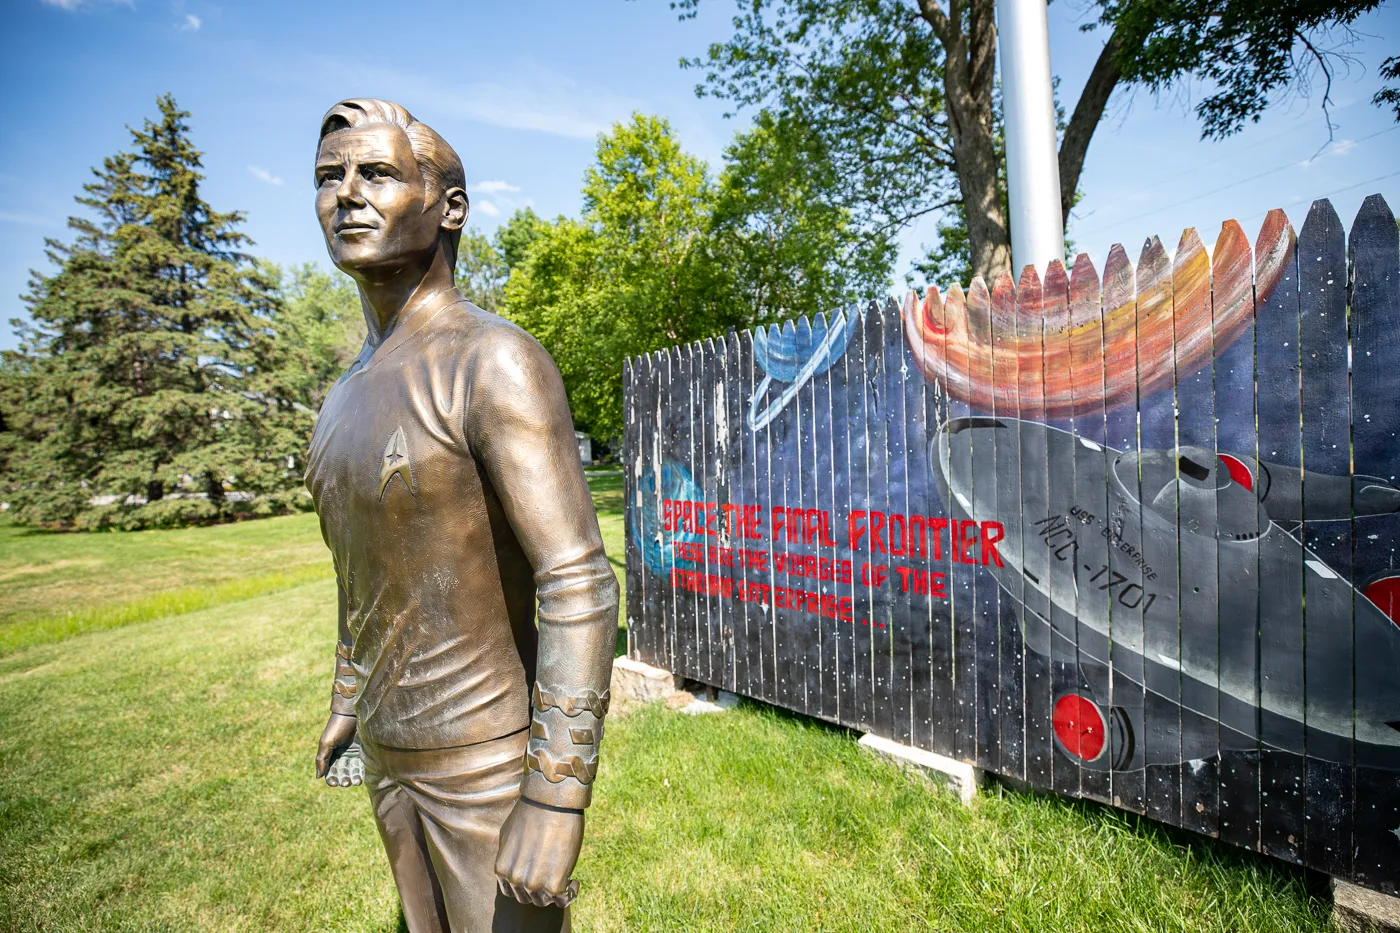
{"x":1073,"y":342}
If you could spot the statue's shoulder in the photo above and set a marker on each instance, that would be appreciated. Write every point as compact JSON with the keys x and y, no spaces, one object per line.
{"x":493,"y":346}
{"x":465,"y":320}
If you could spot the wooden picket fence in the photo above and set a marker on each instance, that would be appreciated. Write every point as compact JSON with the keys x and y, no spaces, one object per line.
{"x":1134,"y":538}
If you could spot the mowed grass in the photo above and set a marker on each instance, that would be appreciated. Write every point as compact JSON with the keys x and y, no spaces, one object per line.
{"x":157,"y":776}
{"x":53,"y":585}
{"x":607,"y":498}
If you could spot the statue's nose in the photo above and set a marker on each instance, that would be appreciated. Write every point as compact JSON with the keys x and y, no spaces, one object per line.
{"x":347,"y":193}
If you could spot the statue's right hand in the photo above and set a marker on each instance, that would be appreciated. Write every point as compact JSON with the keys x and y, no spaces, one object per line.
{"x":336,"y":739}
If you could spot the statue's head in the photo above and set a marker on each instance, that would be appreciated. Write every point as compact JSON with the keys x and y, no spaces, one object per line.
{"x":389,"y":190}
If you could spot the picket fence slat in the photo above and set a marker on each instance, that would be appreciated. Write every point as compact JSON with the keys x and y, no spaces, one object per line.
{"x":894,"y":612}
{"x":933,"y":325}
{"x":1197,"y":518}
{"x":959,"y":582}
{"x":756,"y":574}
{"x":917,"y":617}
{"x":824,"y":484}
{"x":810,"y":537}
{"x":1374,"y":245}
{"x":1000,"y":482}
{"x":1237,"y":620}
{"x":1092,"y":678}
{"x":1326,"y":500}
{"x":1063,"y":588}
{"x":1035,"y":506}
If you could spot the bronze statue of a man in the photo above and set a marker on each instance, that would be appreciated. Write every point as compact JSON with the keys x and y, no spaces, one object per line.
{"x":451,"y":495}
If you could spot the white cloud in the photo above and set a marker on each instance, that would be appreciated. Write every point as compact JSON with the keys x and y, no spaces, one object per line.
{"x":1337,"y":147}
{"x":192,"y":23}
{"x":31,"y":220}
{"x":262,"y":174}
{"x":492,"y":187}
{"x":487,"y":208}
{"x":72,"y":6}
{"x":560,"y":109}
{"x":540,"y":100}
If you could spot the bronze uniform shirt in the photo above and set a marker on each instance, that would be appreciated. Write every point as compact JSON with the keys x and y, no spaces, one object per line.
{"x":448,"y":483}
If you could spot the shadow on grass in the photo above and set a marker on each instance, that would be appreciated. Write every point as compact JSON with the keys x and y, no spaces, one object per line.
{"x":607,"y":491}
{"x":11,"y":529}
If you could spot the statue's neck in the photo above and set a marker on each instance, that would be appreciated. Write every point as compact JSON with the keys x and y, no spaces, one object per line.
{"x":389,"y":303}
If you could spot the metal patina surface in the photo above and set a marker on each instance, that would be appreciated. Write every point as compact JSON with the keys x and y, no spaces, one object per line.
{"x":448,"y":484}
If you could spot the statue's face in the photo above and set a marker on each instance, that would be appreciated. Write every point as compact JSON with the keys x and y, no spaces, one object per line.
{"x":371,"y":201}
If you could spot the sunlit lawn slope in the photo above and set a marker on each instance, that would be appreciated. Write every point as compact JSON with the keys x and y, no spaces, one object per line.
{"x":53,"y":586}
{"x":157,"y":776}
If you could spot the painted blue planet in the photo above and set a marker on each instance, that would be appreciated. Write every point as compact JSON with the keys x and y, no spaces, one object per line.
{"x":793,"y":357}
{"x":676,"y":483}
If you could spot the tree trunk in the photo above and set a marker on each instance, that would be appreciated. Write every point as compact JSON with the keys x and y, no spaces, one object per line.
{"x":988,"y":238}
{"x":969,"y":73}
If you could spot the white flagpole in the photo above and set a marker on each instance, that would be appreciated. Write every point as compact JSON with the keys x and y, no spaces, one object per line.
{"x":1032,"y":158}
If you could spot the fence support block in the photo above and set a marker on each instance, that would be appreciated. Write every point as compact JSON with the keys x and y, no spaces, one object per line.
{"x":636,"y":682}
{"x":957,"y":776}
{"x":1359,"y":910}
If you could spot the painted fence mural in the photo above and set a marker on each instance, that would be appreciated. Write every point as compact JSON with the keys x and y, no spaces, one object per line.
{"x":1133,"y":537}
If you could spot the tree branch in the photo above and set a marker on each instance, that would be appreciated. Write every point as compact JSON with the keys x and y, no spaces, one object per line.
{"x":1087,"y":113}
{"x":933,"y":14}
{"x":1327,"y":91}
{"x":893,"y":224}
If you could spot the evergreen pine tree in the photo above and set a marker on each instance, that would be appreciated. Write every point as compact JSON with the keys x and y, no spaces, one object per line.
{"x":154,"y":379}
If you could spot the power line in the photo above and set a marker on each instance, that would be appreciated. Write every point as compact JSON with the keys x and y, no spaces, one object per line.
{"x":1234,"y":184}
{"x":1328,"y":194}
{"x":1253,"y":145}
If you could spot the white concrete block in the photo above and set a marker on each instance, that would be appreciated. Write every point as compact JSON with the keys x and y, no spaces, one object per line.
{"x":958,"y":776}
{"x":635,"y":682}
{"x":1360,"y":910}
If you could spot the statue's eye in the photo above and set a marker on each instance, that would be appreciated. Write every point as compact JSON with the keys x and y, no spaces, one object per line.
{"x":330,"y":176}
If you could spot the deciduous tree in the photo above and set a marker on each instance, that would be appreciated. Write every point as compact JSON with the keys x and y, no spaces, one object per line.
{"x":664,"y":253}
{"x":320,"y":317}
{"x":901,"y":94}
{"x":634,"y":273}
{"x":781,"y":233}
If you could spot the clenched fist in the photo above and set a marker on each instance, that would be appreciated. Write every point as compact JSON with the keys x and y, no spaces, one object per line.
{"x":538,"y":851}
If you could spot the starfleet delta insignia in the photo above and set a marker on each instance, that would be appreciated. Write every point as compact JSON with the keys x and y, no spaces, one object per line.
{"x":396,"y":462}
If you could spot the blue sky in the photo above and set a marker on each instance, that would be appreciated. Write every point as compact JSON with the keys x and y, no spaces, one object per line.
{"x":521,"y":90}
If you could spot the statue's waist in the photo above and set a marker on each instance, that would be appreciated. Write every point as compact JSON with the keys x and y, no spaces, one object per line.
{"x":476,"y":707}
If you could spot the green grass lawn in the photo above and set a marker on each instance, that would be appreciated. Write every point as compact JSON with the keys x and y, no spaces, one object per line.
{"x":53,"y":585}
{"x":157,"y":776}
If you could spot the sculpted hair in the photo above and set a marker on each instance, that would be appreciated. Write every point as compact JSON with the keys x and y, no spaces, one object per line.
{"x":438,"y":162}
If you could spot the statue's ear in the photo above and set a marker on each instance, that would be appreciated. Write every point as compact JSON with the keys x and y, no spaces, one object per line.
{"x":455,"y":208}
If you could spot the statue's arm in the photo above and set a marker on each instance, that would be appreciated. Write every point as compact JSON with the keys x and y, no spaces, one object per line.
{"x":522,"y":431}
{"x":344,"y":684}
{"x":337,"y":754}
